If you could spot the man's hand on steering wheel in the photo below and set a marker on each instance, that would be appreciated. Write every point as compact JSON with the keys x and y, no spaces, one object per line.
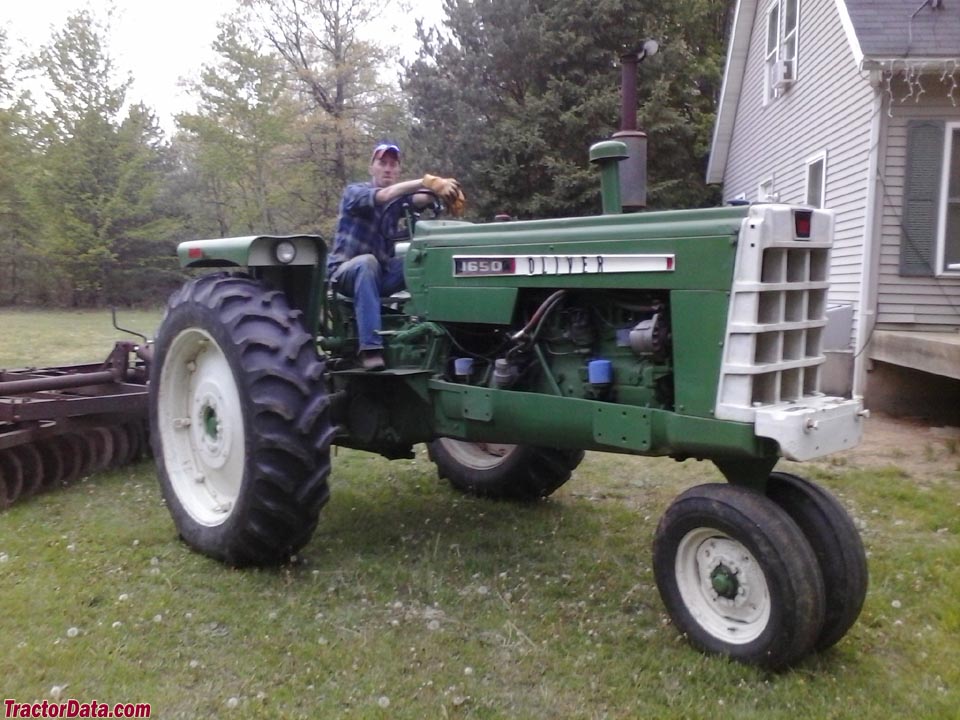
{"x":410,"y":210}
{"x":448,"y":190}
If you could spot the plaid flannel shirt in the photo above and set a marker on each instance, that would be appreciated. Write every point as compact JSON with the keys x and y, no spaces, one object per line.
{"x":358,"y":227}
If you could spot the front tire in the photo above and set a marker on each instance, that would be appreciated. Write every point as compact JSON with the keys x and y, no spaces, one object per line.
{"x":503,"y":472}
{"x":239,"y":421}
{"x":837,"y":545}
{"x":737,"y":576}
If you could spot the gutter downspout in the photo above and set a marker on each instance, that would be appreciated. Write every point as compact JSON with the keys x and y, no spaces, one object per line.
{"x":872,"y":240}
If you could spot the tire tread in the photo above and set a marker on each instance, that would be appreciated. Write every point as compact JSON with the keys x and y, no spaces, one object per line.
{"x":289,"y":435}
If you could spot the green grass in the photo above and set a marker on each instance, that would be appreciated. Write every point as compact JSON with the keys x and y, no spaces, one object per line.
{"x":39,"y":338}
{"x":413,"y":601}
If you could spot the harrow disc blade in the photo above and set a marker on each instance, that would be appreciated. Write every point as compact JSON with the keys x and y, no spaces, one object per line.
{"x":121,"y":446}
{"x":32,"y":464}
{"x":88,"y":453}
{"x":52,"y":463}
{"x":137,"y":441}
{"x":100,"y":441}
{"x":71,"y":450}
{"x":11,"y":479}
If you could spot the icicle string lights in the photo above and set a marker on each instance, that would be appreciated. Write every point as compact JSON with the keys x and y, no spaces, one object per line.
{"x":913,"y":75}
{"x":950,"y":75}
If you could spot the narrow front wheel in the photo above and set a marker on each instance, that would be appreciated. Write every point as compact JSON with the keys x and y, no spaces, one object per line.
{"x":737,"y":576}
{"x":835,"y":541}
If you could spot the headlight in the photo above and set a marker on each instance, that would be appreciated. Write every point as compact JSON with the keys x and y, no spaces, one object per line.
{"x":285,"y":251}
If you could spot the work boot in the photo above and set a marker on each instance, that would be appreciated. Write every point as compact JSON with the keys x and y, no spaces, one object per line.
{"x":372,"y":360}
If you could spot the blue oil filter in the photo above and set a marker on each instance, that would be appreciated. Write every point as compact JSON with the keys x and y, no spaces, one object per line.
{"x":463,"y":366}
{"x":600,"y":372}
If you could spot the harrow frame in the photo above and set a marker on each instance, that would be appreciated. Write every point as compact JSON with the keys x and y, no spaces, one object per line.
{"x":58,"y":424}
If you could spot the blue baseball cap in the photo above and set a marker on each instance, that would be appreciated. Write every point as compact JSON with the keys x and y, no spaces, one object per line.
{"x":382,"y":149}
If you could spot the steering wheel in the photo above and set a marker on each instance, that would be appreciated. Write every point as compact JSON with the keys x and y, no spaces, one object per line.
{"x":410,"y":212}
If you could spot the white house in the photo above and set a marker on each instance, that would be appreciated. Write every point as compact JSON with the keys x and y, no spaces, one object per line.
{"x":854,"y":105}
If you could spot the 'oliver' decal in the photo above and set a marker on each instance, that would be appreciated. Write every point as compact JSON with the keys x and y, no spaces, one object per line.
{"x":485,"y":265}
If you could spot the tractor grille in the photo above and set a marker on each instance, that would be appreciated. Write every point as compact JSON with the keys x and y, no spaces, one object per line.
{"x":773,"y":346}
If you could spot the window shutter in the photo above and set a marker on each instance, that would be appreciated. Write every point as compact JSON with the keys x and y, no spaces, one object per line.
{"x":921,"y":198}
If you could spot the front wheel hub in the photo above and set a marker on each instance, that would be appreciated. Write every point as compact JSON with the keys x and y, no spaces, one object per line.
{"x":725,"y":582}
{"x":722,"y":585}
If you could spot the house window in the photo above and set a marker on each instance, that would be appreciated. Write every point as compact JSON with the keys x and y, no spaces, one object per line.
{"x":780,"y":69}
{"x":816,"y":180}
{"x":949,"y":236}
{"x":930,"y":223}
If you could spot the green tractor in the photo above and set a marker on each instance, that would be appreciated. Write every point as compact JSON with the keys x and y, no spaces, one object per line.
{"x":518,"y":346}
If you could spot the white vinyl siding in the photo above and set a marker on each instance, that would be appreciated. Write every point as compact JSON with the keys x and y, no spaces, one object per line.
{"x":828,"y":109}
{"x":917,"y":302}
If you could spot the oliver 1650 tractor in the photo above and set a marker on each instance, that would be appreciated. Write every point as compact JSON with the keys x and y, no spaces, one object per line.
{"x":518,"y":346}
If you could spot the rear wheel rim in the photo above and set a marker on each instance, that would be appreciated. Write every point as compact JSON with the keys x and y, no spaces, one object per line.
{"x":478,"y":456}
{"x":201,"y":427}
{"x":722,"y":586}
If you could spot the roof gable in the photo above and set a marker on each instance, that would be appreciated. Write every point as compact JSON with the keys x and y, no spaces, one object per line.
{"x":906,"y":28}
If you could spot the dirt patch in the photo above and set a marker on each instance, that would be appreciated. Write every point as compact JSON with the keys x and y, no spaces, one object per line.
{"x":911,"y":444}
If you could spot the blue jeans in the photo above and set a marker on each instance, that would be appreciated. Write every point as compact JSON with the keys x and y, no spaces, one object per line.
{"x":365,"y":280}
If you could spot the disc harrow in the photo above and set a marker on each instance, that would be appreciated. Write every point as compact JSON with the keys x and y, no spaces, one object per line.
{"x":61,"y":424}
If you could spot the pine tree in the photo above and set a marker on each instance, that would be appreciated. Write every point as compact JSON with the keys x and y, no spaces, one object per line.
{"x":509,"y":94}
{"x":99,"y":173}
{"x":17,"y":167}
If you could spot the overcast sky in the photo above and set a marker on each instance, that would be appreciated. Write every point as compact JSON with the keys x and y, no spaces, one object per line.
{"x":158,"y":43}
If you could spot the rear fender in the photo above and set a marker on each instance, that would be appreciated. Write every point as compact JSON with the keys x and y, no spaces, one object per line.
{"x":300,"y":278}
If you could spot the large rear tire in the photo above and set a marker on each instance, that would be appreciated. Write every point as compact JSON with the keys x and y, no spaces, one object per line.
{"x":239,"y":421}
{"x":737,"y":576}
{"x":837,"y":545}
{"x":503,"y":472}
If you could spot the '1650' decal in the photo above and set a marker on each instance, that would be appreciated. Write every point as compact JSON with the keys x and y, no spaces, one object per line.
{"x":484,"y":265}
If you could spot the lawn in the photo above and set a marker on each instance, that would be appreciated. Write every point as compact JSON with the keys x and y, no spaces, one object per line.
{"x":413,"y":601}
{"x":38,"y":338}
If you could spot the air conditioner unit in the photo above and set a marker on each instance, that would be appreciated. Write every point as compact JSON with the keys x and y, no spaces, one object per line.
{"x":783,"y":74}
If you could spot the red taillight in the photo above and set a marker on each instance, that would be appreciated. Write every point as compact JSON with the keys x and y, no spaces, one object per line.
{"x":194,"y":253}
{"x":802,"y":220}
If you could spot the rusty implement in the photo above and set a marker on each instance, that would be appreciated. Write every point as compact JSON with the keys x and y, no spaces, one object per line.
{"x":59,"y":424}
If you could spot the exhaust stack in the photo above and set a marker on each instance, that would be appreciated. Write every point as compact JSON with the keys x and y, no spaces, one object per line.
{"x":633,"y":169}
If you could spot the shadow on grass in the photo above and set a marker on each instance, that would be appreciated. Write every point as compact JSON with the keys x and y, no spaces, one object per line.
{"x":407,"y":522}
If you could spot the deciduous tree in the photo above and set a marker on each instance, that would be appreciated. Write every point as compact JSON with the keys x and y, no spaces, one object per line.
{"x":240,"y":140}
{"x":335,"y":68}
